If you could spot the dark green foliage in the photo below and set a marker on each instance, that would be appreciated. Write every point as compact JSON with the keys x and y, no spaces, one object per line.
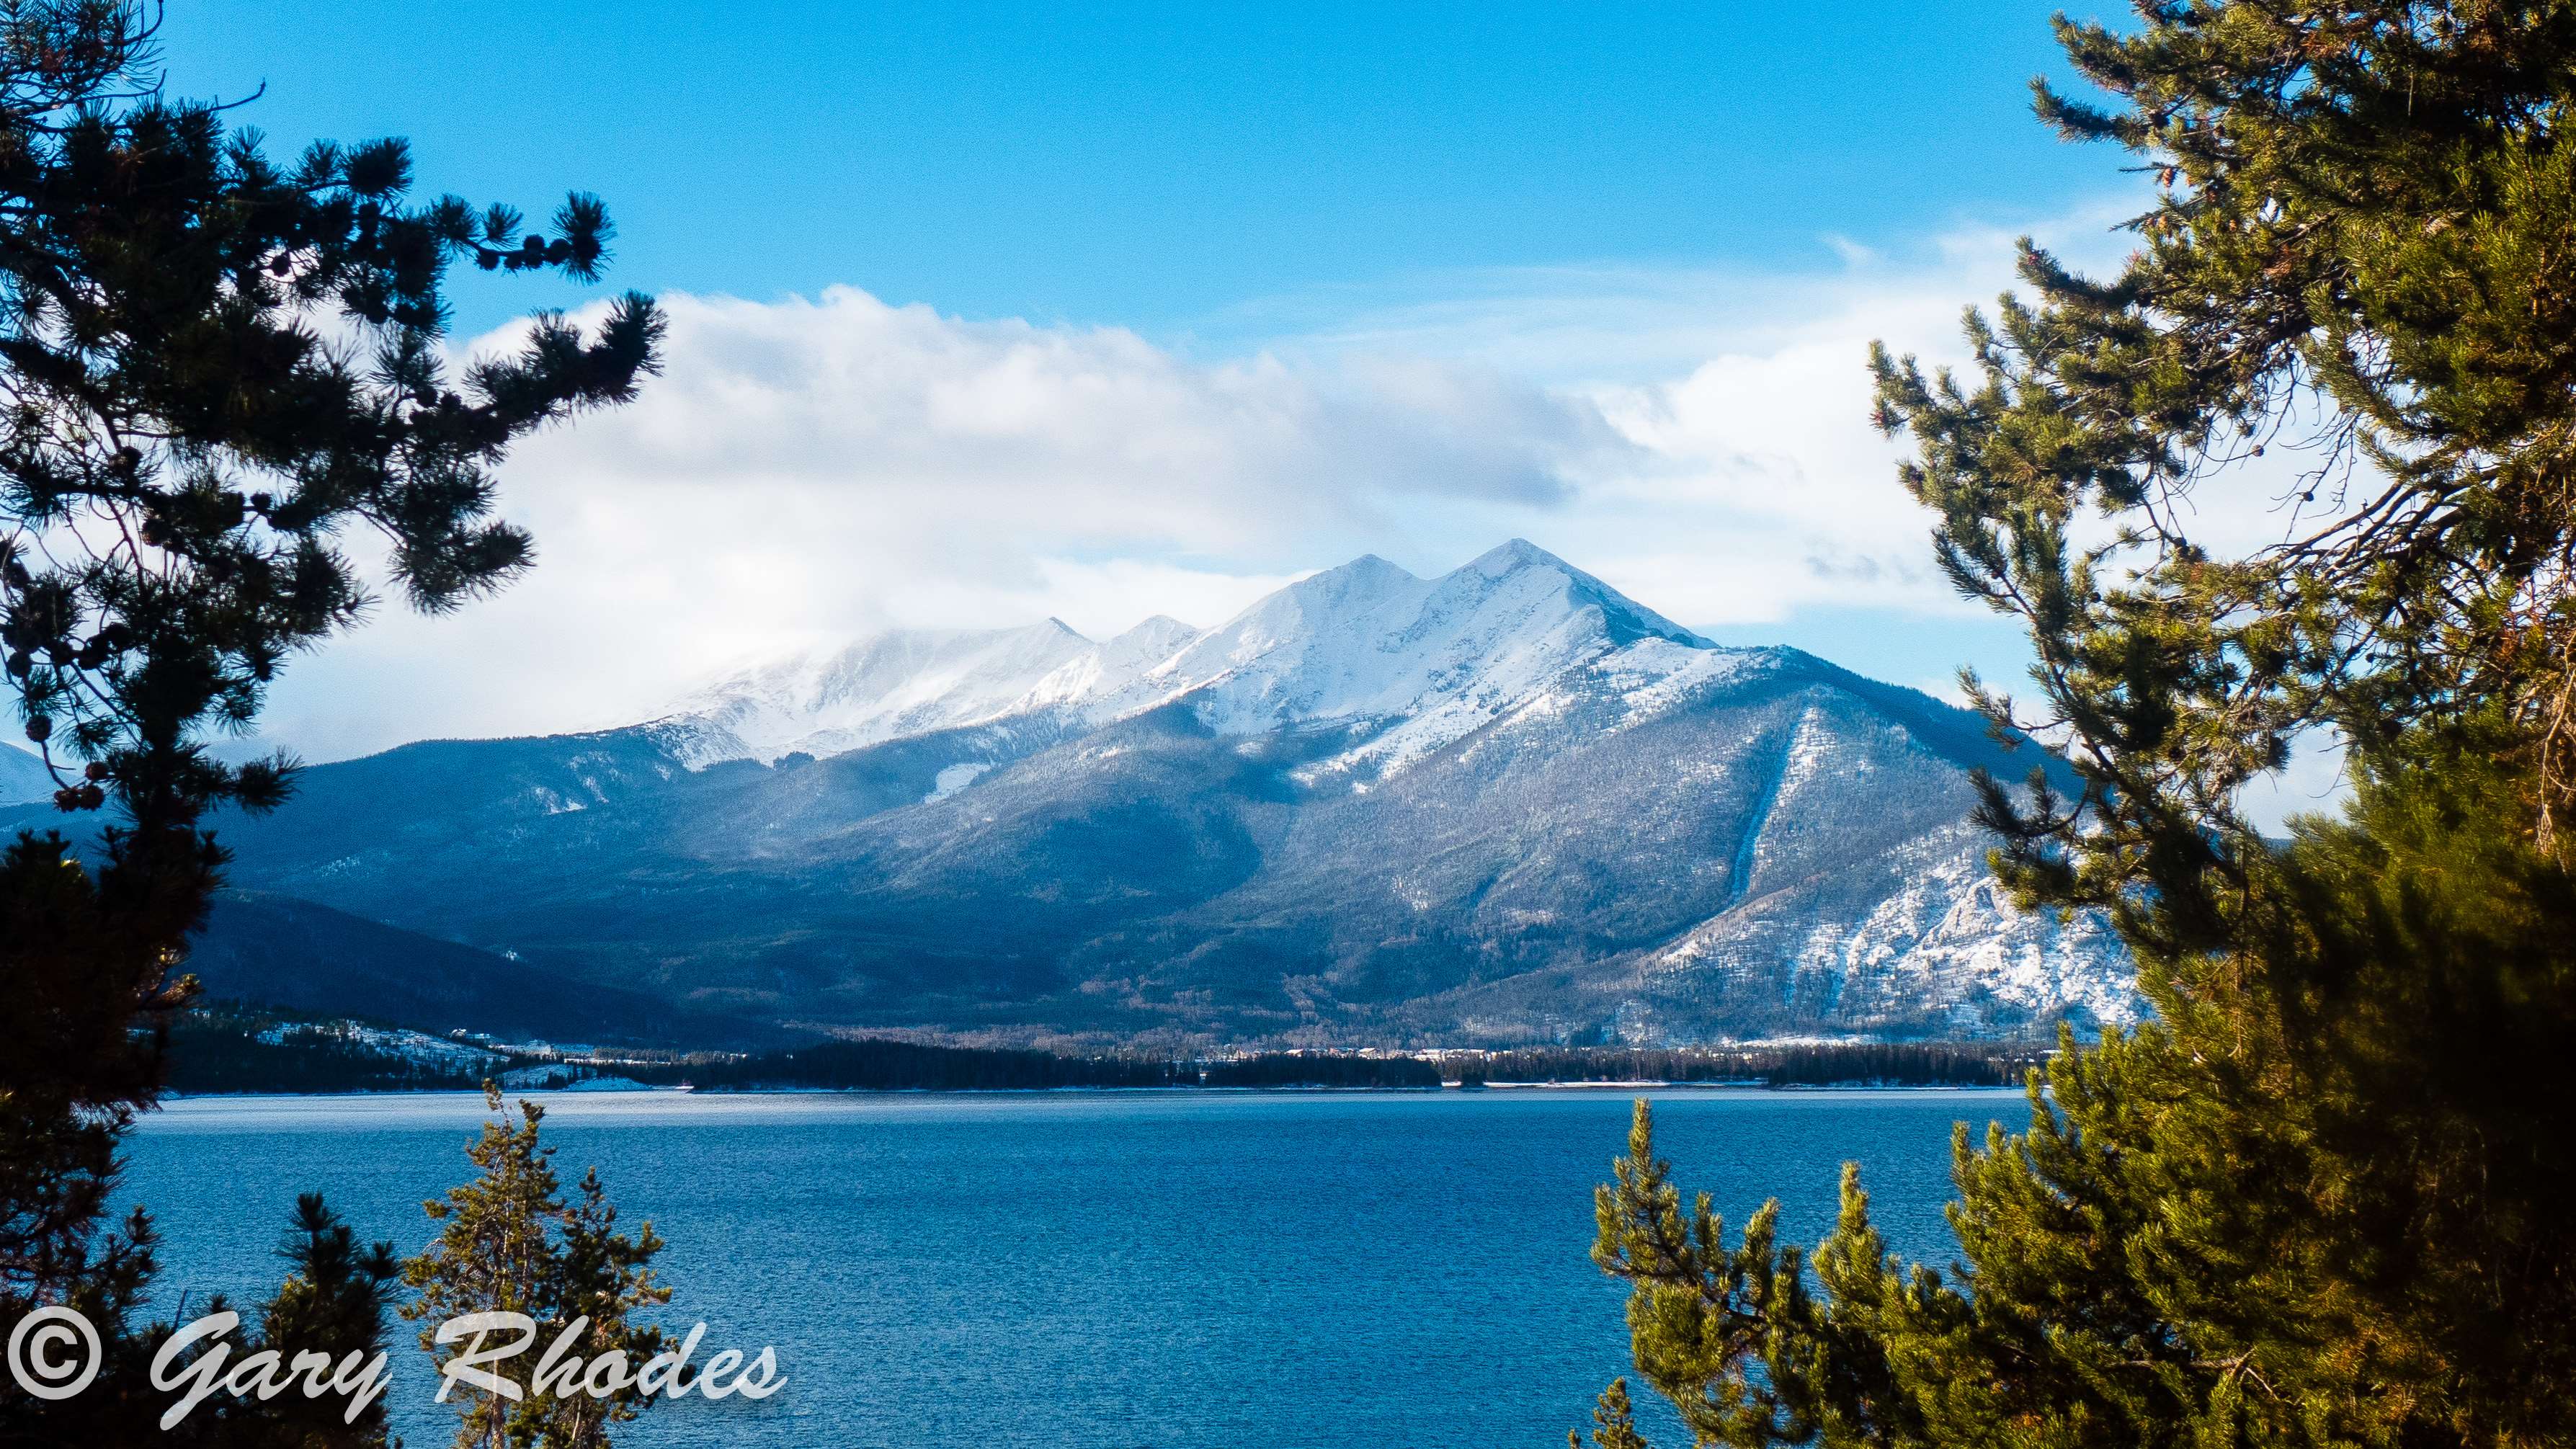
{"x":216,"y":364}
{"x":333,"y":1302}
{"x":2323,"y":1198}
{"x":223,"y":1049}
{"x":72,"y":1068}
{"x":2358,"y":266}
{"x":2320,"y":1201}
{"x":212,"y":365}
{"x":509,"y":1243}
{"x":1614,"y":1424}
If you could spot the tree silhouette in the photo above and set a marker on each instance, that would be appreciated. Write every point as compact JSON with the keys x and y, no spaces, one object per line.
{"x":213,"y":367}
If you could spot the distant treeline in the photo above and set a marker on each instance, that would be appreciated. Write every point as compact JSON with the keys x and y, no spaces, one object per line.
{"x":1307,"y":1069}
{"x":880,"y":1065}
{"x":221,"y":1051}
{"x":886,"y":1065}
{"x":1913,"y":1064}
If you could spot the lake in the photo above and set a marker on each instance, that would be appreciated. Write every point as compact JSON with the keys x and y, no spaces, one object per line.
{"x":1105,"y":1270}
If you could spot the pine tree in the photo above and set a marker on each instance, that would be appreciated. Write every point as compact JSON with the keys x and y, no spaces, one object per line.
{"x":1614,"y":1422}
{"x":211,"y":365}
{"x":333,"y":1304}
{"x":509,"y":1243}
{"x":2322,"y":1197}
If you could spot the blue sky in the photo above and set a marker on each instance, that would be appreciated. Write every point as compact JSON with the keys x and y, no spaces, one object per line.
{"x":986,"y":313}
{"x":1155,"y":166}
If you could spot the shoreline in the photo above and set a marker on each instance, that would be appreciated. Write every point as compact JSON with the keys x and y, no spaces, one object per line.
{"x":1747,"y":1088}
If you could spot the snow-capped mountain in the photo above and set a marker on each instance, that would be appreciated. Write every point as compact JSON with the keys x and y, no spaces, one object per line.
{"x":22,"y":777}
{"x":907,"y":682}
{"x":1431,"y":660}
{"x":1366,"y":643}
{"x":1502,"y":804}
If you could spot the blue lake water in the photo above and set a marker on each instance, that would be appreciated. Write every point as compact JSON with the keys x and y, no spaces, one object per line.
{"x":1106,"y":1270}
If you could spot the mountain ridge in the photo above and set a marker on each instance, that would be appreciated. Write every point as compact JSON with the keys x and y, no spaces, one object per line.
{"x":22,"y":777}
{"x":1502,"y":804}
{"x":1367,"y":639}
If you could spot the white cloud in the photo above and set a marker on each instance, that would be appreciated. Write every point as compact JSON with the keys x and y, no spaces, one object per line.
{"x":805,"y":471}
{"x":808,"y":470}
{"x":1754,"y":487}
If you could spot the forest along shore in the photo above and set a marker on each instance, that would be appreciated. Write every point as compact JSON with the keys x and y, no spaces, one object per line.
{"x":232,"y":1049}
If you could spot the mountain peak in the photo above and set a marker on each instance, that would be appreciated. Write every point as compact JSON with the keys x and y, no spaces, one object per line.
{"x":1515,"y":554}
{"x":1367,"y":576}
{"x":1623,"y":618}
{"x":1372,"y":565}
{"x":1364,"y":641}
{"x":1141,"y":648}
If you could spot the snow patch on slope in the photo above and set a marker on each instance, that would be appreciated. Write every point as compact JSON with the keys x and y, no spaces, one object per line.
{"x":1427,"y":661}
{"x":1411,"y":664}
{"x":1948,"y":937}
{"x":1510,"y":651}
{"x":907,"y":682}
{"x":418,"y":1048}
{"x":22,"y":777}
{"x":953,"y":779}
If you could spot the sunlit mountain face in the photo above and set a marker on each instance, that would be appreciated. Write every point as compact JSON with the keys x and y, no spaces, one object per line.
{"x":1504,"y":804}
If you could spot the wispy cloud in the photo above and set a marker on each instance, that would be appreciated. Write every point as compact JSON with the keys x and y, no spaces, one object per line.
{"x":808,"y":470}
{"x":811,"y":469}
